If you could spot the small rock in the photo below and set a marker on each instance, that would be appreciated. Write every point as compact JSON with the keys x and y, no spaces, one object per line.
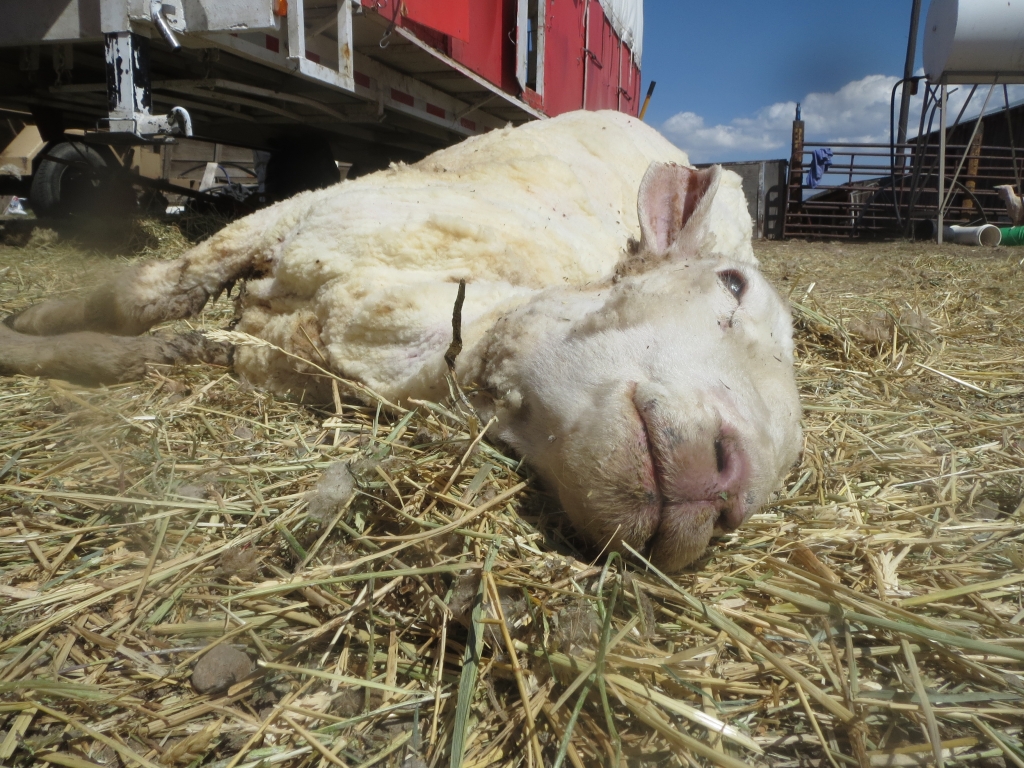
{"x":219,"y":669}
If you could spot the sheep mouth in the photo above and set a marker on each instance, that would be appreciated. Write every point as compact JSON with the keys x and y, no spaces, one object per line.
{"x":662,"y":505}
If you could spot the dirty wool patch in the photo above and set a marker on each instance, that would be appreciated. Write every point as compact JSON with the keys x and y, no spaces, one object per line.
{"x":193,"y":572}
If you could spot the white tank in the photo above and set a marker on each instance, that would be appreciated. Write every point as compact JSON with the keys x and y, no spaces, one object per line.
{"x":975,"y":41}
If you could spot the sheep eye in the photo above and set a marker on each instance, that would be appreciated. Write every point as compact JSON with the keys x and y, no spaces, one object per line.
{"x":734,"y":282}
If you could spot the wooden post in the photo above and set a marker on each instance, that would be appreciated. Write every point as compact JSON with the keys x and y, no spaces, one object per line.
{"x":796,"y":163}
{"x":647,"y":100}
{"x":794,"y":187}
{"x":972,"y":169}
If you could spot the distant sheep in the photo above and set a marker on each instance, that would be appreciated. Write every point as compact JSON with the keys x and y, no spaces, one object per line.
{"x":615,"y":320}
{"x":1014,"y":206}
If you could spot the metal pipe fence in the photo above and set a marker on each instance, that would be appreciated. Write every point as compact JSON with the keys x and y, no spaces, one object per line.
{"x":892,"y":190}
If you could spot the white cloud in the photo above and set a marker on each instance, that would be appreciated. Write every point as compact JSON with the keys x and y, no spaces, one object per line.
{"x":857,"y":112}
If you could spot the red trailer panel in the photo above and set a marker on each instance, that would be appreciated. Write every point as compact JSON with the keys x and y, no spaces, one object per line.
{"x":563,"y":55}
{"x":490,"y":48}
{"x":585,"y":64}
{"x":602,"y":62}
{"x":450,"y":17}
{"x":629,"y":83}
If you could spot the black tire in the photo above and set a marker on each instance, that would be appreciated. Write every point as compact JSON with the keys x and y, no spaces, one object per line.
{"x":69,"y":182}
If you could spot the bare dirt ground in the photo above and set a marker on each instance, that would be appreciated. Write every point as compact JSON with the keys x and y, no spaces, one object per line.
{"x":181,"y":585}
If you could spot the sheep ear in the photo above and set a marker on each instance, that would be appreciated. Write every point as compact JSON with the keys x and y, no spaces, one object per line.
{"x":673,"y":205}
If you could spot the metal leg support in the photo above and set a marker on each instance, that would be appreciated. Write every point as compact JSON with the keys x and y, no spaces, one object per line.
{"x":128,"y":95}
{"x":942,"y":159}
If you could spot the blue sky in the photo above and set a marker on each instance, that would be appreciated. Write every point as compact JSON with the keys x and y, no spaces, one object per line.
{"x":730,"y":72}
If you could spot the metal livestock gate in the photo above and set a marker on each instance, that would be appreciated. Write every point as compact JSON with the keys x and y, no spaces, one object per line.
{"x":881,"y":190}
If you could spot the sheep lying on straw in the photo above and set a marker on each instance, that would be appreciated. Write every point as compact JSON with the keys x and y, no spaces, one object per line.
{"x":615,"y":322}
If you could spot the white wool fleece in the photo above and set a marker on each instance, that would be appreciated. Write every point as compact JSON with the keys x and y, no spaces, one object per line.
{"x":377,"y":260}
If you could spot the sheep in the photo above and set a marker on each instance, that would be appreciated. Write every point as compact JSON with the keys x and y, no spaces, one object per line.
{"x":1014,"y":207}
{"x":616,"y":324}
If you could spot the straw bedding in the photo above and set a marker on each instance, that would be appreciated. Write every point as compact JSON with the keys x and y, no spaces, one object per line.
{"x":424,"y":604}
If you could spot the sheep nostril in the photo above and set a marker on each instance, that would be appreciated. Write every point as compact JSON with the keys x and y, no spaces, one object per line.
{"x":720,"y":456}
{"x":726,"y":519}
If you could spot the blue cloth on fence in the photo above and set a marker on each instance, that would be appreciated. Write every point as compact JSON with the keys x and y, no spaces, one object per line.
{"x":821,"y":161}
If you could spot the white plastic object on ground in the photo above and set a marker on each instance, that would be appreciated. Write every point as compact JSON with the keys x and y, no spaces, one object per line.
{"x":986,"y":234}
{"x":15,"y":207}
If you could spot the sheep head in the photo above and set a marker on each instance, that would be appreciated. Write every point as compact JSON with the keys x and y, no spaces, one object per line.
{"x":660,"y":406}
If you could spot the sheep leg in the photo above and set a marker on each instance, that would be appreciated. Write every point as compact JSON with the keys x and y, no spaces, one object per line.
{"x":92,"y":358}
{"x":145,"y":295}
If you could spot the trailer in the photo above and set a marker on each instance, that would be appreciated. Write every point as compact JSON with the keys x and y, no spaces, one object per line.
{"x":312,"y":82}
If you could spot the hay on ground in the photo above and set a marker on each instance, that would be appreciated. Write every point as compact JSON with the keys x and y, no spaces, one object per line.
{"x":423,"y":603}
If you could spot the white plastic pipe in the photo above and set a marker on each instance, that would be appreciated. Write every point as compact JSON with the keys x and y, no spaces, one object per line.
{"x":986,"y":235}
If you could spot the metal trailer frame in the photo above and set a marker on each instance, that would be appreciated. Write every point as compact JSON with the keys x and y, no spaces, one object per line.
{"x":245,"y":72}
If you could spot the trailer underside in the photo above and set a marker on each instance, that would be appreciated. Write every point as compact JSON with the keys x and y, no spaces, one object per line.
{"x":384,"y":96}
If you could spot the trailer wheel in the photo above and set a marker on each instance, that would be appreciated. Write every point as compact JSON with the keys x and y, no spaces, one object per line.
{"x":67,"y":180}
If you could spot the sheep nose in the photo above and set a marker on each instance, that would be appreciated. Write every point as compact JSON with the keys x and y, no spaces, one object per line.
{"x":706,"y":467}
{"x":698,"y":456}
